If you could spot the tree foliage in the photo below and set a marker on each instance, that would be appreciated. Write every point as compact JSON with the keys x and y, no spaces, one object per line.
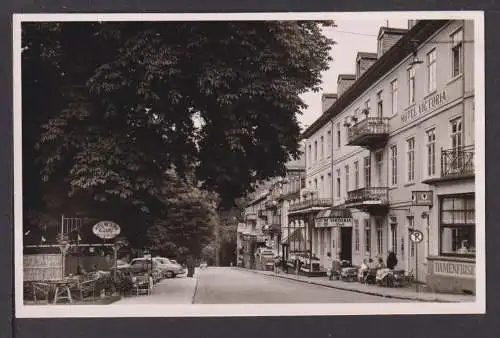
{"x":109,"y":108}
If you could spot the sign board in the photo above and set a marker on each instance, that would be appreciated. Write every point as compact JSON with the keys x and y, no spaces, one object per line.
{"x":416,"y":236}
{"x":454,"y":269}
{"x":106,"y":230}
{"x":421,"y":198}
{"x":270,"y":243}
{"x":424,"y":107}
{"x":339,"y":222}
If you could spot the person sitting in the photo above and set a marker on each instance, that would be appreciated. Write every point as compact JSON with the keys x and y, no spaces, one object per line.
{"x":463,"y":249}
{"x":380,"y":264}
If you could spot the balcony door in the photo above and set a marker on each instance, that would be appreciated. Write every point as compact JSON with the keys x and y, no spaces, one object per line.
{"x":456,"y":145}
{"x":379,"y":166}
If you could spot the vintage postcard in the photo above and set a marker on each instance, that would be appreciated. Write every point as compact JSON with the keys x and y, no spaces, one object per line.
{"x":258,"y":164}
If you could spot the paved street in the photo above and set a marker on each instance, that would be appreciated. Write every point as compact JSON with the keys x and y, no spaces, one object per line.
{"x":226,"y":285}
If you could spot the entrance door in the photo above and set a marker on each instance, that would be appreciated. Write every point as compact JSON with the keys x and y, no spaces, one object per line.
{"x":346,"y":243}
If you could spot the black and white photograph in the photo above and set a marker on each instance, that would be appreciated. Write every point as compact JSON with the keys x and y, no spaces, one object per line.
{"x":258,"y":164}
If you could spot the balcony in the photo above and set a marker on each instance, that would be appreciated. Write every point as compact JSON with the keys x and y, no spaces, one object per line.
{"x":370,"y":133}
{"x":373,"y":200}
{"x":250,"y":215}
{"x":457,"y":162}
{"x":312,"y":203}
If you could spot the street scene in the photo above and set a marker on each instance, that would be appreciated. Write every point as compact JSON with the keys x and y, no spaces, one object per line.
{"x":248,"y":162}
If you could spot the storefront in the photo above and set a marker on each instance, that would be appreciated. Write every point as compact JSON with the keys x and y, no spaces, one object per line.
{"x":332,"y":235}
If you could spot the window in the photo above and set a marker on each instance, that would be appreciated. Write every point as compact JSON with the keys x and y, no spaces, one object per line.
{"x":410,"y":157}
{"x":367,"y":105}
{"x":368,"y":177}
{"x":394,"y":94}
{"x":379,"y":158}
{"x":338,"y":135}
{"x":380,"y":105}
{"x":456,"y":133}
{"x":330,"y":143}
{"x":346,"y":178}
{"x":310,"y":155}
{"x":394,"y":235}
{"x":431,"y":152}
{"x":380,"y":240}
{"x":310,"y":184}
{"x":330,"y":185}
{"x":315,"y":151}
{"x":411,"y":85}
{"x":394,"y":165}
{"x":356,"y":114}
{"x":431,"y":71}
{"x":316,"y":183}
{"x":356,"y":175}
{"x":457,"y":225}
{"x":368,"y":236}
{"x":356,"y":235}
{"x":322,"y":184}
{"x":338,"y":183}
{"x":322,"y":154}
{"x":457,"y":53}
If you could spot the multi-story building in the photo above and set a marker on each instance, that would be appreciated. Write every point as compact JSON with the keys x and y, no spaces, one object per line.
{"x":400,"y":162}
{"x":266,"y":216}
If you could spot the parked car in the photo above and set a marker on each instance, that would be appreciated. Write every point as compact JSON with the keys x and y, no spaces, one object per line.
{"x":142,"y":265}
{"x":168,"y":267}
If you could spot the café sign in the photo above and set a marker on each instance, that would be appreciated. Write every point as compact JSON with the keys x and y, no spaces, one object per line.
{"x":330,"y":222}
{"x":106,"y":230}
{"x":455,"y":269}
{"x":426,"y":106}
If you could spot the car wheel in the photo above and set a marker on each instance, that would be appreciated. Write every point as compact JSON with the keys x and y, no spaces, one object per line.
{"x":169,"y":274}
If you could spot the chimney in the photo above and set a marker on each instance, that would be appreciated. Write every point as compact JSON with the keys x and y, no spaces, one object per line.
{"x":344,"y":81}
{"x":387,"y":37}
{"x":363,"y":62}
{"x":327,"y":100}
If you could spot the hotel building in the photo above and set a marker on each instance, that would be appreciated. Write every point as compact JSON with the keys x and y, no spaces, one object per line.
{"x":392,"y":158}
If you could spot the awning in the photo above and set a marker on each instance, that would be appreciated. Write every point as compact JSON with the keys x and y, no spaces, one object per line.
{"x":296,"y":235}
{"x":334,"y":213}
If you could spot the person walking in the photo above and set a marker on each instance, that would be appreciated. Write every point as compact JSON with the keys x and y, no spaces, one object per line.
{"x":190,"y":266}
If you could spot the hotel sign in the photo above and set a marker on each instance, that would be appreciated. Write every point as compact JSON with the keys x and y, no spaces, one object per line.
{"x":455,"y":269}
{"x":426,"y":106}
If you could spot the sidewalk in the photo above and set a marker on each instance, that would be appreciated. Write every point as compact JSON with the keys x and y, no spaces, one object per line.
{"x":178,"y":290}
{"x":408,"y":293}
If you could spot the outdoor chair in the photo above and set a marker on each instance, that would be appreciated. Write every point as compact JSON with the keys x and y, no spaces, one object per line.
{"x":40,"y":288}
{"x":87,"y":288}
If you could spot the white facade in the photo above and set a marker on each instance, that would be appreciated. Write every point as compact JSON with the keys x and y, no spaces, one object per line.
{"x":426,"y":107}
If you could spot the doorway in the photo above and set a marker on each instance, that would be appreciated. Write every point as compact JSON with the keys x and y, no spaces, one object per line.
{"x":346,"y":243}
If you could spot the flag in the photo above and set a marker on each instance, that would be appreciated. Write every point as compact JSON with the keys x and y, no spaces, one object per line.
{"x":43,"y":239}
{"x":79,"y":238}
{"x":27,"y":233}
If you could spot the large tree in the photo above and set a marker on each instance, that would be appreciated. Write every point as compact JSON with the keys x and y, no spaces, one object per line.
{"x":109,"y":108}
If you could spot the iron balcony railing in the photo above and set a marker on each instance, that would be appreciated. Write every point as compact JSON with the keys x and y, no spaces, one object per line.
{"x":457,"y":161}
{"x":311,"y":203}
{"x":372,"y":194}
{"x":370,"y":126}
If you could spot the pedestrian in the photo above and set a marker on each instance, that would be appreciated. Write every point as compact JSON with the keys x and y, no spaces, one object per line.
{"x":329,"y":265}
{"x":380,"y":264}
{"x":392,"y":260}
{"x":276,"y":264}
{"x":190,"y":266}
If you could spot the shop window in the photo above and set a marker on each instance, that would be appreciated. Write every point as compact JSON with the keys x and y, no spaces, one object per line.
{"x":457,"y":225}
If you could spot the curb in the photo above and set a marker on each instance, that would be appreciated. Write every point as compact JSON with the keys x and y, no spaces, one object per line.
{"x":371,"y":293}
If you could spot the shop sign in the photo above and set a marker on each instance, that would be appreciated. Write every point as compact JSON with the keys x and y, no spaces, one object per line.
{"x":426,"y":106}
{"x":455,"y":269}
{"x":421,"y":198}
{"x":339,"y":222}
{"x":106,"y":230}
